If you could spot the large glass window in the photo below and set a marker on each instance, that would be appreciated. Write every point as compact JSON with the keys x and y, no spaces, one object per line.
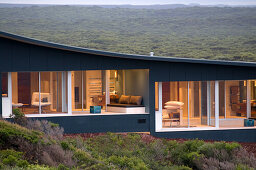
{"x":4,"y":84}
{"x":188,"y":104}
{"x":128,"y":88}
{"x":88,"y":89}
{"x":47,"y":90}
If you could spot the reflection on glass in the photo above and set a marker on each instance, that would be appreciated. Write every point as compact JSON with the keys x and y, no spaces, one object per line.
{"x":236,"y":99}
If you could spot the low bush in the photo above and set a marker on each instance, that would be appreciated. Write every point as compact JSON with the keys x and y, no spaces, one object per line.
{"x":18,"y":117}
{"x":9,"y":133}
{"x":36,"y":147}
{"x":12,"y":158}
{"x":127,"y":163}
{"x":50,"y":129}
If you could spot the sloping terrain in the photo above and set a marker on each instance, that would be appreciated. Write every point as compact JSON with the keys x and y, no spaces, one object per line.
{"x":195,"y":32}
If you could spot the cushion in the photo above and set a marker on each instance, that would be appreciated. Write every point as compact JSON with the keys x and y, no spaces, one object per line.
{"x":114,"y":98}
{"x":174,"y":103}
{"x":135,"y":100}
{"x":124,"y":99}
{"x":45,"y":100}
{"x":171,"y":107}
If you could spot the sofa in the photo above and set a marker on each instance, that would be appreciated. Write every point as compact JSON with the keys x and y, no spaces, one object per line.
{"x":126,"y":104}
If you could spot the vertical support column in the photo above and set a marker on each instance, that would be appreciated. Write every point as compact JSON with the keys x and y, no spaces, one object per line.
{"x":188,"y":106}
{"x":1,"y":104}
{"x":208,"y":102}
{"x":217,"y":104}
{"x":248,"y":98}
{"x":10,"y":91}
{"x":107,"y":88}
{"x":82,"y":96}
{"x":69,"y":93}
{"x":64,"y":91}
{"x":39,"y":83}
{"x":159,"y":113}
{"x":160,"y":93}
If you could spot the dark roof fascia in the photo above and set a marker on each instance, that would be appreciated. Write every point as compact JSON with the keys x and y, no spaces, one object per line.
{"x":121,"y":55}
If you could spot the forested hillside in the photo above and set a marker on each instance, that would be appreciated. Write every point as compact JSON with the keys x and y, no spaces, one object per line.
{"x":194,"y":32}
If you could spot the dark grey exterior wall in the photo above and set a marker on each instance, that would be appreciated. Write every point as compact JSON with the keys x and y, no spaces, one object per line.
{"x":20,"y":56}
{"x":17,"y":56}
{"x":240,"y":135}
{"x":101,"y":123}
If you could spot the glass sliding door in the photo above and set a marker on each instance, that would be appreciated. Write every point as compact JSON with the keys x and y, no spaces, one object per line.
{"x":193,"y":101}
{"x":222,"y":100}
{"x":204,"y":103}
{"x":212,"y":103}
{"x":95,"y":89}
{"x":51,"y":92}
{"x":77,"y":90}
{"x":194,"y":104}
{"x":183,"y":98}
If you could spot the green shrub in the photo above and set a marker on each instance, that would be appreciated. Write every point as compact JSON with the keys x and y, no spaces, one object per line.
{"x":65,"y":145}
{"x":13,"y":158}
{"x":243,"y":167}
{"x":62,"y":167}
{"x":39,"y":167}
{"x":9,"y":131}
{"x":127,"y":163}
{"x":182,"y":167}
{"x":192,"y":145}
{"x":209,"y":149}
{"x":232,"y":146}
{"x":83,"y":159}
{"x":185,"y":153}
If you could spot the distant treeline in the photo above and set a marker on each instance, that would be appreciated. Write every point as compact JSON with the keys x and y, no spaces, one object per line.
{"x":196,"y":32}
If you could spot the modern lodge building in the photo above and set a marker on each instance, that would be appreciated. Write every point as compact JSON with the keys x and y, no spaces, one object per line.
{"x":90,"y":91}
